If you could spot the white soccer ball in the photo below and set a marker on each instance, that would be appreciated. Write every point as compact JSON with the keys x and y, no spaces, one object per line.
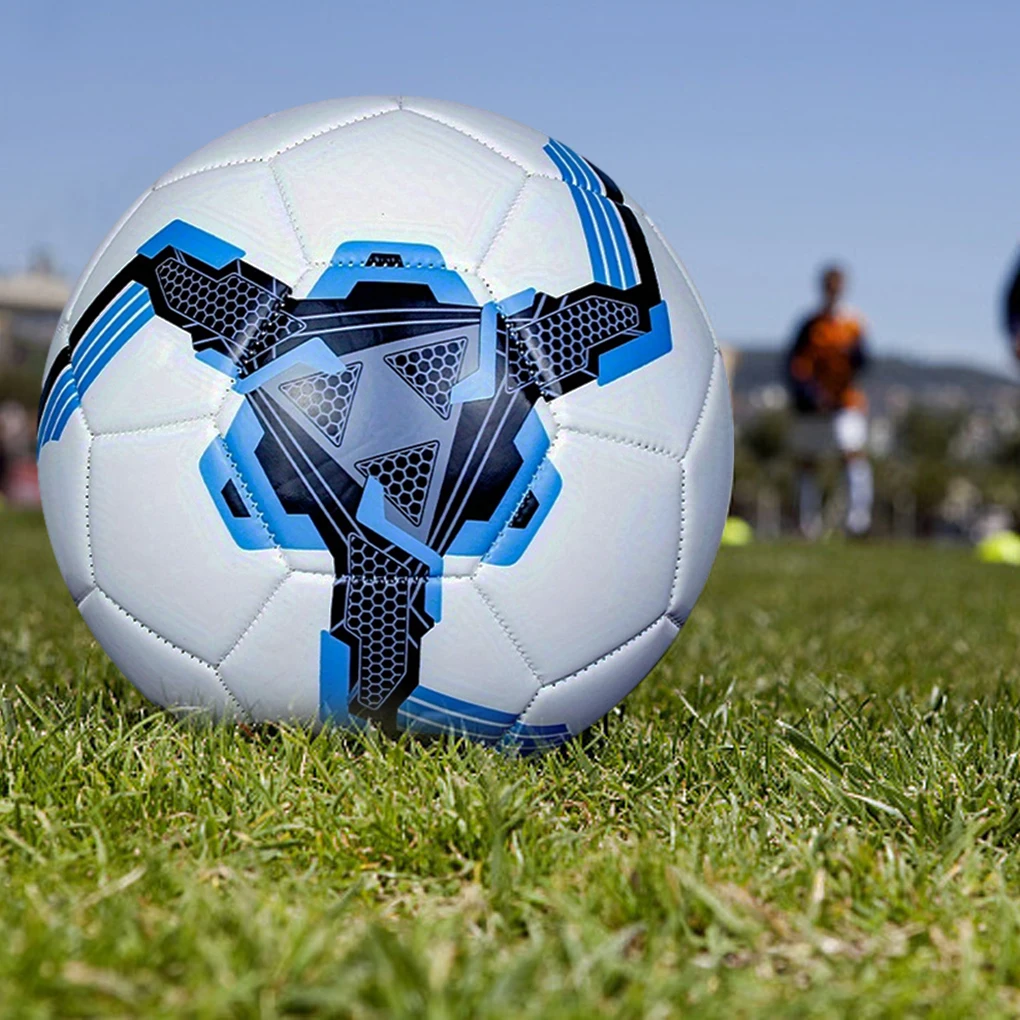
{"x":386,"y":410}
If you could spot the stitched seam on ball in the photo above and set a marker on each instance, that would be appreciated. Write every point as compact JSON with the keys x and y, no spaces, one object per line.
{"x":499,"y":152}
{"x":675,"y":587}
{"x":512,"y":335}
{"x":161,"y":427}
{"x":255,"y":619}
{"x":524,"y":711}
{"x":177,"y":648}
{"x":282,"y":192}
{"x":81,"y":404}
{"x":446,"y":266}
{"x":531,"y":701}
{"x":242,"y":481}
{"x":266,"y":157}
{"x":716,"y":360}
{"x":501,"y":228}
{"x":608,"y":655}
{"x":88,"y":505}
{"x":613,"y":437}
{"x":490,"y":605}
{"x":309,"y":268}
{"x":239,"y":475}
{"x":236,"y":472}
{"x":506,"y":524}
{"x":504,"y":626}
{"x":677,"y":621}
{"x":491,"y":146}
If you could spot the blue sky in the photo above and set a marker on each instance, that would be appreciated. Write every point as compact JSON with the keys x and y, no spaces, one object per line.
{"x":763,"y":137}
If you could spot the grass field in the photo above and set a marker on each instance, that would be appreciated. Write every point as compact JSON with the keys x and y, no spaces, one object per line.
{"x":812,"y":807}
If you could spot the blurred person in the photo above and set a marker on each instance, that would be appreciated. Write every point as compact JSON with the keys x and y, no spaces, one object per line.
{"x":1012,"y":317}
{"x":3,"y":462}
{"x":827,"y":353}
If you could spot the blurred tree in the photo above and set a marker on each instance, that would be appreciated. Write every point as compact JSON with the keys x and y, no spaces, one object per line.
{"x":1008,"y":454}
{"x":766,"y":435}
{"x":927,"y":433}
{"x":21,"y":383}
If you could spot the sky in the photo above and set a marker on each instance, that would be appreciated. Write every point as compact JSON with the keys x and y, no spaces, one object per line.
{"x":764,"y":138}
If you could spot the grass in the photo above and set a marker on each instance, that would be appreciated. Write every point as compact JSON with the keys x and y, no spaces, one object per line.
{"x":811,"y":808}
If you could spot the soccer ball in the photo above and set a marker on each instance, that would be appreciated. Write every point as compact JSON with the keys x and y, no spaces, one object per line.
{"x":386,"y":411}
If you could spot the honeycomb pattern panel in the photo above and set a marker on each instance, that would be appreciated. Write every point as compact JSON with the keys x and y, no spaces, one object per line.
{"x":277,"y":327}
{"x":365,"y":560}
{"x":405,"y":476}
{"x":232,"y":307}
{"x":325,"y":399}
{"x":555,"y":345}
{"x":431,"y":371}
{"x":379,"y":594}
{"x":377,"y":612}
{"x":520,"y":368}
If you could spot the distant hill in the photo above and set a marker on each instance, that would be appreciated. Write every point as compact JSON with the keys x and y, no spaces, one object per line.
{"x":889,"y":382}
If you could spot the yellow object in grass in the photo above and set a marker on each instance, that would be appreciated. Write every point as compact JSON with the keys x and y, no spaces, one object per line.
{"x":1002,"y":547}
{"x":736,"y":531}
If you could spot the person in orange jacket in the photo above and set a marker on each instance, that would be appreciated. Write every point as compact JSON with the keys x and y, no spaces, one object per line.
{"x":827,"y":354}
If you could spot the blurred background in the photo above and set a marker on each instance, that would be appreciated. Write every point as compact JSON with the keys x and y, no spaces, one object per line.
{"x":766,"y":141}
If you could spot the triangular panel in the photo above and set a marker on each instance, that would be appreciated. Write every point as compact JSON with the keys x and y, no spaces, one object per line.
{"x":431,"y":370}
{"x":405,"y":476}
{"x":325,"y":399}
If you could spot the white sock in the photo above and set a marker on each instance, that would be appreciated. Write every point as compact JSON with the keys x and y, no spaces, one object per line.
{"x":861,"y":493}
{"x":810,"y":505}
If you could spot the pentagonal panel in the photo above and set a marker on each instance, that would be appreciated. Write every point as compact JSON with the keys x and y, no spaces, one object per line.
{"x":569,"y":706}
{"x":240,"y":205}
{"x":166,"y":675}
{"x":274,"y":669}
{"x":541,"y":245}
{"x":522,"y":144}
{"x":708,"y":478}
{"x":63,"y":483}
{"x":600,"y":568}
{"x":262,"y":138}
{"x":153,"y":379}
{"x":403,"y":179}
{"x":162,"y":548}
{"x":657,"y":402}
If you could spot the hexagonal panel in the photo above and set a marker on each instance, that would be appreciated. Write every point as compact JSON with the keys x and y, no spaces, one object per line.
{"x":261,"y":138}
{"x":540,"y":245}
{"x":404,"y":179}
{"x":517,"y":141}
{"x":161,"y":548}
{"x":600,"y":568}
